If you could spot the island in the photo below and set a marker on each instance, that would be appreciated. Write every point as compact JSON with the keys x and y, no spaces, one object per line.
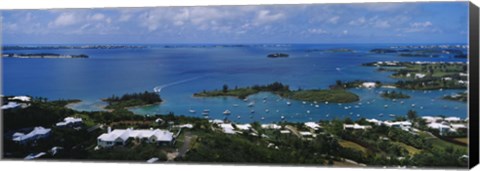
{"x":42,"y":55}
{"x":425,"y":75}
{"x":132,"y":100}
{"x":54,"y":47}
{"x":380,"y":51}
{"x":461,"y":97}
{"x":328,"y":95}
{"x":277,"y":55}
{"x":394,"y":95}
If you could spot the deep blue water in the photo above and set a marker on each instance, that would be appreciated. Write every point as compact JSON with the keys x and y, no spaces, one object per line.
{"x":184,"y":71}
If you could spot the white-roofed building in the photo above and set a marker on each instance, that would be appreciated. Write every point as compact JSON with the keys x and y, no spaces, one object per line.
{"x":432,"y":119}
{"x":35,"y":134}
{"x":356,"y":126}
{"x":271,"y":126}
{"x":404,"y":125}
{"x":227,"y":128}
{"x":312,"y":125}
{"x":10,"y":105}
{"x":21,"y":98}
{"x":369,"y":84}
{"x":120,"y":137}
{"x":375,"y":121}
{"x":70,"y":121}
{"x":284,"y":131}
{"x":458,"y":127}
{"x":453,"y":119}
{"x":243,"y":127}
{"x":190,"y":126}
{"x":439,"y":126}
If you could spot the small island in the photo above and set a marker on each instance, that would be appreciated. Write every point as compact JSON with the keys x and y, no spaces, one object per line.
{"x":380,"y":51}
{"x":329,"y":95}
{"x":394,"y":95}
{"x":277,"y":55}
{"x":132,"y":100}
{"x":42,"y":55}
{"x":462,"y":97}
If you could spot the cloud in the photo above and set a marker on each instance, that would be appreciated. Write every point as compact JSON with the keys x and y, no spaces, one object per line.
{"x":334,"y":19}
{"x":357,"y":22}
{"x":266,"y":16}
{"x":317,"y":31}
{"x":426,"y":26}
{"x":64,"y":19}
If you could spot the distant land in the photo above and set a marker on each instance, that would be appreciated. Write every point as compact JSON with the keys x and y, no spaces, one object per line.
{"x":42,"y":55}
{"x":18,"y":47}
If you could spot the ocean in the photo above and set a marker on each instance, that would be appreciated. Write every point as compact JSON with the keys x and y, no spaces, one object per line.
{"x":185,"y":69}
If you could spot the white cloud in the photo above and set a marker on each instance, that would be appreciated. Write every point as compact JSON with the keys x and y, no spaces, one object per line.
{"x":357,"y":22}
{"x":381,"y":24}
{"x":334,"y":19}
{"x":64,"y":19}
{"x":421,"y":24}
{"x":265,"y":16}
{"x":97,"y":17}
{"x":426,"y":26}
{"x":317,"y":31}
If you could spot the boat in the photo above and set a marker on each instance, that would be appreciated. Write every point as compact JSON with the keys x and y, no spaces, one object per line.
{"x":317,"y":106}
{"x":413,"y":105}
{"x":191,"y":111}
{"x":227,"y":112}
{"x":252,"y":111}
{"x":235,"y":105}
{"x":238,"y":116}
{"x":288,"y":103}
{"x":262,"y":118}
{"x":308,"y":111}
{"x":304,"y":102}
{"x":251,"y":104}
{"x":264,"y":101}
{"x":326,"y":102}
{"x":392,"y":115}
{"x":282,"y":117}
{"x":381,"y":114}
{"x":266,"y":110}
{"x":204,"y":113}
{"x":206,"y":110}
{"x":206,"y":117}
{"x":385,"y":106}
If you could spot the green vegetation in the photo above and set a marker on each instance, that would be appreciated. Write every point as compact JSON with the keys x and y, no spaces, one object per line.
{"x":462,"y":97}
{"x":333,"y":95}
{"x":352,"y":145}
{"x":394,"y":95}
{"x":425,"y":76}
{"x":352,"y":84}
{"x":131,"y":100}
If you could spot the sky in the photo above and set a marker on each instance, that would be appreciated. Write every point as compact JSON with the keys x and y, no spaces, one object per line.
{"x":426,"y":22}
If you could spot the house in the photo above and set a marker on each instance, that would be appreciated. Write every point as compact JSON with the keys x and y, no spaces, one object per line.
{"x":36,"y":134}
{"x":375,"y":121}
{"x":431,"y":119}
{"x":120,"y":137}
{"x":306,"y":134}
{"x":243,"y":127}
{"x":271,"y":126}
{"x":369,"y":84}
{"x":453,"y":119}
{"x":420,"y":75}
{"x":458,"y":128}
{"x":70,"y":122}
{"x":35,"y":156}
{"x":227,"y":128}
{"x":356,"y":127}
{"x":10,"y":105}
{"x":439,"y":126}
{"x":312,"y":125}
{"x":21,"y":98}
{"x":284,"y":132}
{"x":190,"y":126}
{"x":404,"y":125}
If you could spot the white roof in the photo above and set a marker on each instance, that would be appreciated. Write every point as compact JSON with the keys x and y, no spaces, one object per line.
{"x":271,"y":126}
{"x":10,"y":105}
{"x":457,"y":126}
{"x":152,"y":160}
{"x":243,"y":127}
{"x":21,"y":98}
{"x":34,"y":156}
{"x":312,"y":125}
{"x":438,"y":126}
{"x":285,"y":131}
{"x":124,"y":134}
{"x":217,"y":121}
{"x":36,"y":131}
{"x":400,"y":123}
{"x":374,"y":121}
{"x":227,"y":128}
{"x":305,"y":133}
{"x":450,"y":119}
{"x":69,"y":120}
{"x":431,"y":118}
{"x":184,"y":126}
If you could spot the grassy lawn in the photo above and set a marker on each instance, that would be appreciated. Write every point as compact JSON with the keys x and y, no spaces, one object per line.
{"x":352,"y":145}
{"x":411,"y":150}
{"x":436,"y":142}
{"x":336,"y":96}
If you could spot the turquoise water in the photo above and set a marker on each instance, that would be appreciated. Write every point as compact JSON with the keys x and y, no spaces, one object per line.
{"x":184,"y":71}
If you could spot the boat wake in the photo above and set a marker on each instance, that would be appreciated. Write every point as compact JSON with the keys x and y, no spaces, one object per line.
{"x":159,"y":88}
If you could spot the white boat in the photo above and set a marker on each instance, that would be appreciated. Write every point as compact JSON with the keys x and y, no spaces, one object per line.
{"x":326,"y":102}
{"x":304,"y":102}
{"x":282,"y":117}
{"x":266,"y":110}
{"x":308,"y":111}
{"x":262,"y":118}
{"x":381,"y":114}
{"x":206,"y":110}
{"x":251,"y":104}
{"x":288,"y":103}
{"x":235,"y":105}
{"x":317,"y":106}
{"x":191,"y":111}
{"x":204,"y":113}
{"x":385,"y":106}
{"x":227,"y":112}
{"x":238,"y":116}
{"x":392,"y":115}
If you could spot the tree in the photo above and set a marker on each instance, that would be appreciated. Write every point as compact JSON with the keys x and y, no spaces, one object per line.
{"x":225,"y":88}
{"x":412,"y":115}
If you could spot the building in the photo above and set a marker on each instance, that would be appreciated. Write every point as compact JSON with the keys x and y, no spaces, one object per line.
{"x":443,"y":128}
{"x":70,"y":122}
{"x":11,"y":105}
{"x":404,"y":125}
{"x":453,"y":119}
{"x":36,"y":134}
{"x":420,"y":75}
{"x":369,"y":84}
{"x":227,"y":128}
{"x":120,"y":137}
{"x":432,"y":119}
{"x":356,"y":127}
{"x":375,"y":121}
{"x":271,"y":126}
{"x":21,"y":98}
{"x":243,"y":127}
{"x":312,"y":125}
